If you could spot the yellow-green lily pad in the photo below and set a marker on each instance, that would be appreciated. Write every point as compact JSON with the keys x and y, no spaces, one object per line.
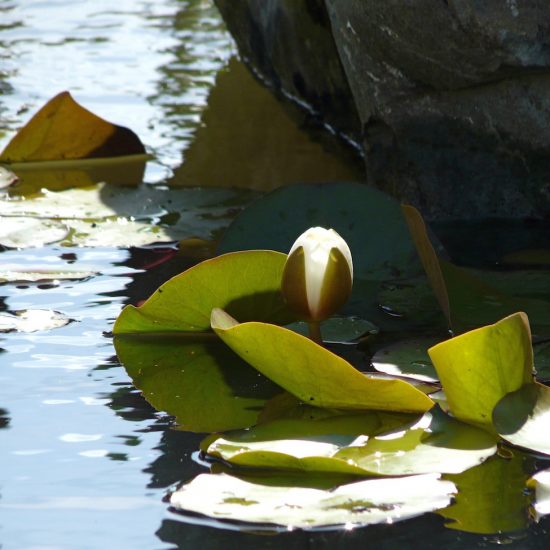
{"x":361,"y":444}
{"x":312,"y":373}
{"x":478,"y":368}
{"x":247,"y":284}
{"x":201,"y":382}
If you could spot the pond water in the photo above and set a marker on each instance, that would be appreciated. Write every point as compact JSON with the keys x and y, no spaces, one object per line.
{"x":85,"y":461}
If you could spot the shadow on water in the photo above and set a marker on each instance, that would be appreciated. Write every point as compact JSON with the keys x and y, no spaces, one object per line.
{"x":4,"y":418}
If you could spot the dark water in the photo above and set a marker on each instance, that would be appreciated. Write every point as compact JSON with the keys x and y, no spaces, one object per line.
{"x":84,"y":461}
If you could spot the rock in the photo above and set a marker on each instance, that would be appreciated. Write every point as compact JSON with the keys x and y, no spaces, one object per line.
{"x":453,"y":96}
{"x":289,"y":45}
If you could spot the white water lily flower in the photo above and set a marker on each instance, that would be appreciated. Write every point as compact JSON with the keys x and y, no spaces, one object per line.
{"x":318,"y":274}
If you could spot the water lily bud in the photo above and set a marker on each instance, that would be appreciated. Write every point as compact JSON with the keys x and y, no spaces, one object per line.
{"x":318,"y":274}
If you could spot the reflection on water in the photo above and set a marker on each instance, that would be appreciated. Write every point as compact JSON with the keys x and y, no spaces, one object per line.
{"x":248,"y":139}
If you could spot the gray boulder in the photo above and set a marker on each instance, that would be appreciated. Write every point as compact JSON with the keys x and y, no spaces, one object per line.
{"x":453,"y":96}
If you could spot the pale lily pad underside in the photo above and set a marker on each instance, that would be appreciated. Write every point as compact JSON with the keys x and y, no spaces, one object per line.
{"x":32,"y":320}
{"x":358,"y":445}
{"x":368,"y":502}
{"x":104,"y":215}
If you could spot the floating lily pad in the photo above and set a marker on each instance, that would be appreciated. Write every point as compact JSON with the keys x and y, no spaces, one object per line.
{"x":522,"y":417}
{"x":108,"y":215}
{"x":480,"y":367}
{"x":20,"y":232}
{"x":16,"y":273}
{"x":246,"y":283}
{"x":436,"y":443}
{"x":202,"y":383}
{"x":362,"y":503}
{"x":362,"y":444}
{"x":312,"y":373}
{"x":491,"y":497}
{"x":300,"y":444}
{"x":32,"y":320}
{"x":411,"y":299}
{"x":63,"y":129}
{"x":338,"y":330}
{"x":540,"y":482}
{"x":369,"y":220}
{"x":407,"y":358}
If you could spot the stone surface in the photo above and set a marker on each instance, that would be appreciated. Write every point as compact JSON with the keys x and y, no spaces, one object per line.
{"x":453,"y":96}
{"x":289,"y":44}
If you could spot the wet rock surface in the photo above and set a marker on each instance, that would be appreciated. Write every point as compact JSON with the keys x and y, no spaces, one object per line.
{"x":453,"y":96}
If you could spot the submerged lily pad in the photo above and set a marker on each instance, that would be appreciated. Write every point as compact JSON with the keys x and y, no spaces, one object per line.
{"x":364,"y":444}
{"x":246,"y":283}
{"x":21,"y":232}
{"x":480,"y":367}
{"x":312,"y":373}
{"x":522,"y":417}
{"x":361,"y":503}
{"x":32,"y":320}
{"x":491,"y":497}
{"x":407,"y":358}
{"x":202,"y":383}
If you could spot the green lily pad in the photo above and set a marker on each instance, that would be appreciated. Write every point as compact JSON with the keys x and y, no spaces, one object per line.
{"x":361,"y":503}
{"x":312,"y":373}
{"x":202,"y":383}
{"x":361,"y":444}
{"x":540,"y":482}
{"x":491,"y":497}
{"x":338,"y":330}
{"x":480,"y":367}
{"x":407,"y":358}
{"x":369,"y":220}
{"x":522,"y":417}
{"x":246,"y":283}
{"x":32,"y":320}
{"x":412,"y":299}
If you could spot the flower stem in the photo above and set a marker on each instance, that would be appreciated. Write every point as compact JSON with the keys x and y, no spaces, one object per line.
{"x":315,"y":332}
